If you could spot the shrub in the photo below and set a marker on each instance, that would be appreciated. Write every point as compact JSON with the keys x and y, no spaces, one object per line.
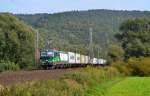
{"x":90,"y":76}
{"x":122,"y":67}
{"x":72,"y":84}
{"x":8,"y":66}
{"x":140,"y":66}
{"x":43,"y":88}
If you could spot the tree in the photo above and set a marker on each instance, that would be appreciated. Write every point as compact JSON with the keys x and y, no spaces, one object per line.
{"x":16,"y":41}
{"x":135,"y":37}
{"x":116,"y":53}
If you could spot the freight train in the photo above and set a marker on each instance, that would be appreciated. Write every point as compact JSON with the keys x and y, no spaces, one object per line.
{"x":51,"y":58}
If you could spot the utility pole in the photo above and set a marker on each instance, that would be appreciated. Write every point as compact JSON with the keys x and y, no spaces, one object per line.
{"x":49,"y":43}
{"x":98,"y":52}
{"x":91,"y":54}
{"x":107,"y":43}
{"x":36,"y":47}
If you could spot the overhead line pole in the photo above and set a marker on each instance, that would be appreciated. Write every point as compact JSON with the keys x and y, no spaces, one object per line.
{"x":36,"y":47}
{"x":91,"y":54}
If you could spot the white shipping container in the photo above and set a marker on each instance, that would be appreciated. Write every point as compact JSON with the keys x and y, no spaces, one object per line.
{"x":97,"y":61}
{"x":94,"y":60}
{"x":86,"y":59}
{"x":90,"y":61}
{"x":63,"y":56}
{"x":102,"y":61}
{"x":82,"y":59}
{"x":71,"y":57}
{"x":78,"y":58}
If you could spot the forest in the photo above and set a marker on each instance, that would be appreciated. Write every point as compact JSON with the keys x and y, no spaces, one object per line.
{"x":117,"y":35}
{"x":120,"y":37}
{"x":69,"y":31}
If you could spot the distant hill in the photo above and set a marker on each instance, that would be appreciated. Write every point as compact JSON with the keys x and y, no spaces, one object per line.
{"x":70,"y":30}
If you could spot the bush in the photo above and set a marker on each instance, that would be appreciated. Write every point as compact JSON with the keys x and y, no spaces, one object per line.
{"x":91,"y":76}
{"x":8,"y":66}
{"x":43,"y":88}
{"x":72,"y":84}
{"x":122,"y":67}
{"x":140,"y":66}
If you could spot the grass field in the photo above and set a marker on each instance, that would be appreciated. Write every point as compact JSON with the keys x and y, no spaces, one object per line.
{"x":76,"y":83}
{"x":132,"y":86}
{"x":89,"y":81}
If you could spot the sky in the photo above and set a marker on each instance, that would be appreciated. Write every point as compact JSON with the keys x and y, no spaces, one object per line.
{"x":55,"y":6}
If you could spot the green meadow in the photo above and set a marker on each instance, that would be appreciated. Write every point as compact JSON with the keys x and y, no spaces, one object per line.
{"x":129,"y":86}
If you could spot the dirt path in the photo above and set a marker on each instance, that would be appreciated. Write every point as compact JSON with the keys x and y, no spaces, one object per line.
{"x":10,"y":78}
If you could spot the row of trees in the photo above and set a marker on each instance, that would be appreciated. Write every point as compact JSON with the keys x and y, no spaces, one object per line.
{"x":134,"y":49}
{"x":134,"y":39}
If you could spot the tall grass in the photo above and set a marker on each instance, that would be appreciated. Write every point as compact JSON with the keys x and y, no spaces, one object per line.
{"x":76,"y":83}
{"x":8,"y":66}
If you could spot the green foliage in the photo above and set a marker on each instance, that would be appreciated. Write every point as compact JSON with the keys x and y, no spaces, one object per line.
{"x":122,"y":67}
{"x":70,"y":30}
{"x":116,"y":53}
{"x":135,"y":37}
{"x":16,"y":41}
{"x":92,"y":79}
{"x":134,"y":66}
{"x":140,"y":66}
{"x":8,"y":66}
{"x":135,"y":40}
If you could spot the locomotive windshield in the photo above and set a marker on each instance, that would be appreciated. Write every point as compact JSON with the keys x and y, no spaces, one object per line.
{"x":47,"y":54}
{"x":43,"y":54}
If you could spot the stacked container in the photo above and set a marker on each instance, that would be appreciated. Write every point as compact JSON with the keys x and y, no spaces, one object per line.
{"x":77,"y":61}
{"x":71,"y":58}
{"x":63,"y":56}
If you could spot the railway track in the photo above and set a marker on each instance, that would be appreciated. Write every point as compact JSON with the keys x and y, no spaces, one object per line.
{"x":10,"y":78}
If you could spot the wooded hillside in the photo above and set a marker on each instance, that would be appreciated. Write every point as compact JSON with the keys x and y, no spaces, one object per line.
{"x":70,"y":30}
